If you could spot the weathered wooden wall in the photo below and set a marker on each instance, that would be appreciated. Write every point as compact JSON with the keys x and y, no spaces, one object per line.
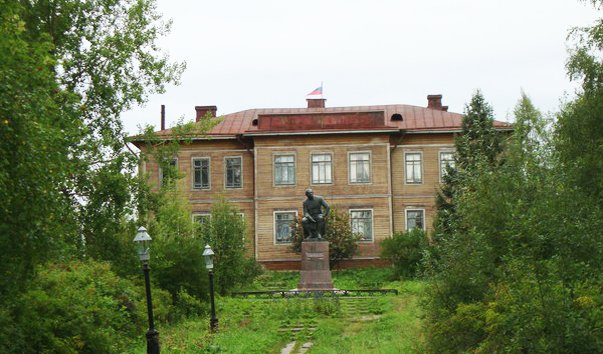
{"x":387,"y":194}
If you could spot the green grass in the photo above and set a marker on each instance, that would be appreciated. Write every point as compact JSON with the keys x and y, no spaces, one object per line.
{"x":387,"y":324}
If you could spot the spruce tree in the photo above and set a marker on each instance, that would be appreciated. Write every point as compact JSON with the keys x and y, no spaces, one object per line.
{"x":479,"y":143}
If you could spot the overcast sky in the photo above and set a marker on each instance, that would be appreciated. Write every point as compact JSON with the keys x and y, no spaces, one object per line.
{"x":262,"y":54}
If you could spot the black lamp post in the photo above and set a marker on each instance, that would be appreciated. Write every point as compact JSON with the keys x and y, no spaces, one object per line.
{"x":143,"y":241}
{"x":208,"y":254}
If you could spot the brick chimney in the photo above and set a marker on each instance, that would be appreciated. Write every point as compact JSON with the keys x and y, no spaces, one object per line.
{"x":162,"y":117}
{"x":316,"y":102}
{"x":435,"y":102}
{"x":202,"y":111}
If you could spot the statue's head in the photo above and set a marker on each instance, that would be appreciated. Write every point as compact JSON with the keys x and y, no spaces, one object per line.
{"x":309,"y":193}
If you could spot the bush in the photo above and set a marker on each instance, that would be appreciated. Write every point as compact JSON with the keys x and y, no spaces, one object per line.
{"x":80,"y":307}
{"x":177,"y":265}
{"x":342,"y":241}
{"x":225,"y":233}
{"x":461,"y":331}
{"x":176,"y":262}
{"x":405,"y":250}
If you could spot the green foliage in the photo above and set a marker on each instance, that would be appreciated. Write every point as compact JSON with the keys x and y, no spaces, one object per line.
{"x":176,"y":261}
{"x":79,"y":307}
{"x":37,"y":219}
{"x":479,"y":142}
{"x":69,"y":69}
{"x":461,"y":332}
{"x":225,"y":233}
{"x":351,"y":325}
{"x":343,"y":242}
{"x":477,"y":148}
{"x":521,"y":270}
{"x":405,"y":250}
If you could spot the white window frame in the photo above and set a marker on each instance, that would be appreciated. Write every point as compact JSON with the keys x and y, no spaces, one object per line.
{"x":372,"y":240}
{"x":414,"y":209}
{"x":280,"y":154}
{"x":317,"y":153}
{"x":275,"y":242}
{"x":444,"y":151}
{"x":293,"y":211}
{"x":370,"y":162}
{"x":161,"y":171}
{"x":193,"y":159}
{"x":413,"y":152}
{"x":200,"y":214}
{"x":226,"y":171}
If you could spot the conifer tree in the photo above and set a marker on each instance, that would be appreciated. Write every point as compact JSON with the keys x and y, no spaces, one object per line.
{"x":479,"y":143}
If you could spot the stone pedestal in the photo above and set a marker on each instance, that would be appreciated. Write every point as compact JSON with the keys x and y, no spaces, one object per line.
{"x":315,"y":273}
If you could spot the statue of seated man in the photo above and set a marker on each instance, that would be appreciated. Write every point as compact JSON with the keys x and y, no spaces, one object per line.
{"x":316,"y":211}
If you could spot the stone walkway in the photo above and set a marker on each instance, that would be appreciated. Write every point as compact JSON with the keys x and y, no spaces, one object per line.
{"x":289,"y":349}
{"x":354,"y":309}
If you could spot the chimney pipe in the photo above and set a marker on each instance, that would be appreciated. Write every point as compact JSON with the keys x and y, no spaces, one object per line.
{"x":203,"y":110}
{"x":162,"y":117}
{"x":316,"y":102}
{"x":434,"y":102}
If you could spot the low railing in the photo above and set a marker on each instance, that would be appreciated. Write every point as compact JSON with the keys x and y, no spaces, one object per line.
{"x":275,"y":294}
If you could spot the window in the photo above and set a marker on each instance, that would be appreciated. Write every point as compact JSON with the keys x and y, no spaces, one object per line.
{"x":360,"y":167}
{"x":201,"y":173}
{"x":415,"y":219}
{"x":284,"y":169}
{"x":233,"y":172}
{"x":169,"y":173}
{"x":282,"y":226}
{"x":413,"y":168}
{"x":201,"y":218}
{"x":322,"y":167}
{"x":446,"y":159}
{"x":362,"y":223}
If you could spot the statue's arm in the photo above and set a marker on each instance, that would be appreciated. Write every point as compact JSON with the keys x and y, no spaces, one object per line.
{"x":326,"y":206}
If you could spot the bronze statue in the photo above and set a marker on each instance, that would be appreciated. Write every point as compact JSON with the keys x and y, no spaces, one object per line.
{"x":314,"y":217}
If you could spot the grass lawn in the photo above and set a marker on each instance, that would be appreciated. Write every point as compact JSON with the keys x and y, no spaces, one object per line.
{"x":384,"y":324}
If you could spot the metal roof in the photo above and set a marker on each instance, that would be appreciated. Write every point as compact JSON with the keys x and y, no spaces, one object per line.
{"x":414,"y":119}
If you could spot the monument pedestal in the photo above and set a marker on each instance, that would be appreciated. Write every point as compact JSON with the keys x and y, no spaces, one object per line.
{"x":315,"y":272}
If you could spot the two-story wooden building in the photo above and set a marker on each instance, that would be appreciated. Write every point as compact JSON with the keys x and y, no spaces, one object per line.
{"x":380,"y":164}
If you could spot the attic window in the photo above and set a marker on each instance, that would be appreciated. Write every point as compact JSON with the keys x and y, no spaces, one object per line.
{"x":254,"y":122}
{"x":397,"y":116}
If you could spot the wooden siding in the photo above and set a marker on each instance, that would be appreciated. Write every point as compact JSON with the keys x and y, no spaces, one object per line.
{"x":421,"y":195}
{"x":387,"y":194}
{"x":304,"y":146}
{"x":269,"y":250}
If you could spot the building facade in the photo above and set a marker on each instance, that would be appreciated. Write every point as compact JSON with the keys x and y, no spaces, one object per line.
{"x":380,"y":164}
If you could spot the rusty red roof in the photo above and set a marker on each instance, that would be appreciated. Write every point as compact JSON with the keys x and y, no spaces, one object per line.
{"x":414,"y":119}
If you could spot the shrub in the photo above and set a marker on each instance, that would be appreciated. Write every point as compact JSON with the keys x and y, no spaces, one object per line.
{"x":225,"y":233}
{"x":405,"y":250}
{"x":177,"y":265}
{"x":80,"y":307}
{"x":176,"y":261}
{"x":342,"y":240}
{"x":461,"y":332}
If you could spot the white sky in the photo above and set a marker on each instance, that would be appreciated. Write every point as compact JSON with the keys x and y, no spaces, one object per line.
{"x":260,"y":54}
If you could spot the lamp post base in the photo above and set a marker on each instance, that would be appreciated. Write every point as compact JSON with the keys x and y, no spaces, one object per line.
{"x":213,"y":325}
{"x":152,"y":342}
{"x":213,"y":322}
